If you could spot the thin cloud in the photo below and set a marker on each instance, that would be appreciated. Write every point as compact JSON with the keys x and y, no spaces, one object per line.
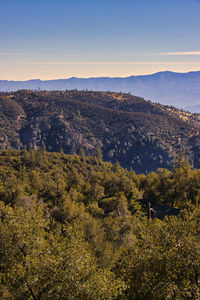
{"x":99,"y":63}
{"x":178,"y":53}
{"x":181,"y":53}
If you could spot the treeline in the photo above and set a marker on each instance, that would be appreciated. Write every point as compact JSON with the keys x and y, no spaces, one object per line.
{"x":74,"y":227}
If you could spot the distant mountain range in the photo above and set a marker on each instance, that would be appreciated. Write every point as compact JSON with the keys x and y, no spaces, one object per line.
{"x":137,"y":133}
{"x":181,"y":90}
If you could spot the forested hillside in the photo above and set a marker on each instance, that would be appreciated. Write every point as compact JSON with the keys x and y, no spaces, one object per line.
{"x":137,"y":133}
{"x":75,"y":227}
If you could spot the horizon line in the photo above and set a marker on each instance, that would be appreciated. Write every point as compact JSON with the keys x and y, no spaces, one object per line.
{"x":96,"y":77}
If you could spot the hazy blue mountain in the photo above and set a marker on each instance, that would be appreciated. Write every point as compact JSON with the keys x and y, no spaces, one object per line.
{"x":178,"y":89}
{"x":193,"y":109}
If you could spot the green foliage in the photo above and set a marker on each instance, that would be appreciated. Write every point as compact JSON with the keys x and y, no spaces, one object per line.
{"x":75,"y":227}
{"x":164,"y":263}
{"x":99,"y":154}
{"x":39,"y":265}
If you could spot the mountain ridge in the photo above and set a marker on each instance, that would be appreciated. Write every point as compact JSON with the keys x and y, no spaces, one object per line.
{"x":139,"y":134}
{"x":169,"y":88}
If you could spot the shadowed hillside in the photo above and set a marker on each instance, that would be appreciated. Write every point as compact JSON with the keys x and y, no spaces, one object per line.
{"x":137,"y":133}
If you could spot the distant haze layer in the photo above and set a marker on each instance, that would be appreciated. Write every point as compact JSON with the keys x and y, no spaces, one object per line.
{"x":181,"y":90}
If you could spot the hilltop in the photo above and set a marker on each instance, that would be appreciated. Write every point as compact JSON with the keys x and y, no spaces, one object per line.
{"x":137,"y":133}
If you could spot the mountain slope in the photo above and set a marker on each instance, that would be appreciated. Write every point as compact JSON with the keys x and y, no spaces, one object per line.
{"x":178,"y":89}
{"x":128,"y":129}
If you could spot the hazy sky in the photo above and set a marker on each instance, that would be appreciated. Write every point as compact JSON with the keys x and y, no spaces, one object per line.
{"x":49,"y":39}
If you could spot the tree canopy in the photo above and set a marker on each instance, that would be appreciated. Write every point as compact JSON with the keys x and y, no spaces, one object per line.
{"x":75,"y":227}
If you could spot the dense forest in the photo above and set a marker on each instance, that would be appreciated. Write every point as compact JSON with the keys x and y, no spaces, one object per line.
{"x":139,"y":134}
{"x":75,"y":227}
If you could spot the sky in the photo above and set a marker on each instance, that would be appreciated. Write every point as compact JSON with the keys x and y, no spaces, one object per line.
{"x":52,"y":39}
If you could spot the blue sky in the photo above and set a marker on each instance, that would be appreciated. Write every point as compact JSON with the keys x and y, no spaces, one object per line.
{"x":49,"y":39}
